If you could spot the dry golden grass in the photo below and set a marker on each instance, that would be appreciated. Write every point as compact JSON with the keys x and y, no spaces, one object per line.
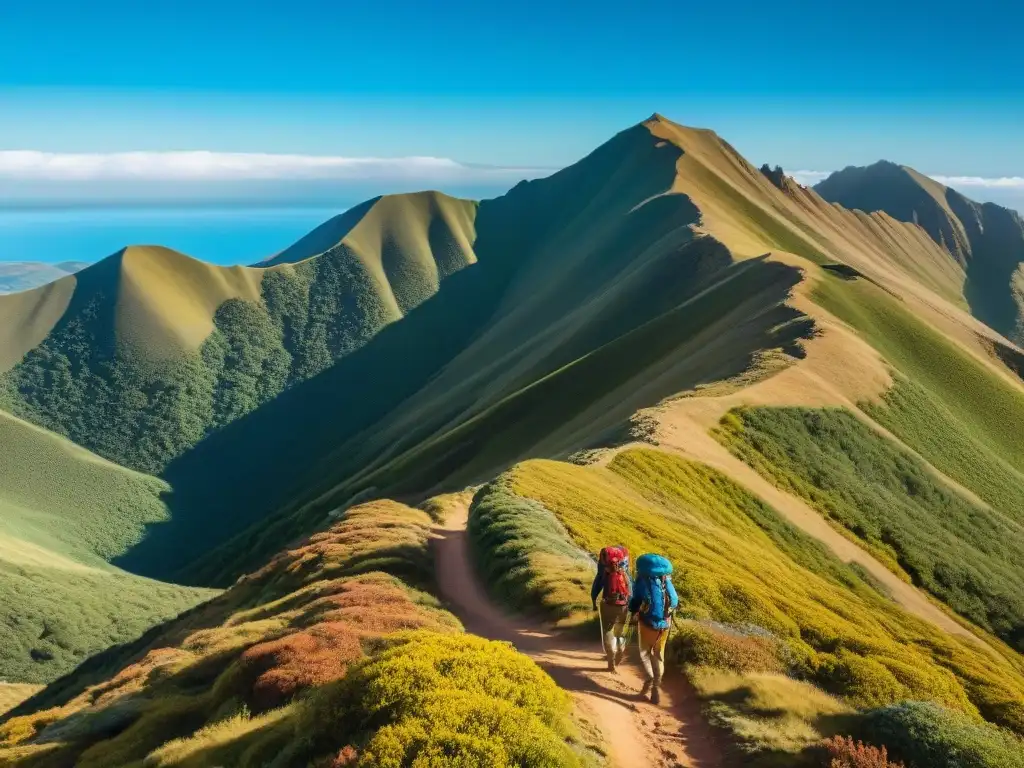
{"x":213,"y":743}
{"x":766,"y":712}
{"x":15,"y":693}
{"x":26,"y":318}
{"x":167,"y":300}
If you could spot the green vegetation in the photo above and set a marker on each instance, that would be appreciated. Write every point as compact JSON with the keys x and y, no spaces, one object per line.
{"x":925,"y":735}
{"x":964,"y":554}
{"x":52,"y":619}
{"x":920,"y":420}
{"x":525,"y":555}
{"x":988,"y":409}
{"x":63,"y":513}
{"x":434,"y":700}
{"x":740,"y":565}
{"x":326,"y":656}
{"x":60,"y":497}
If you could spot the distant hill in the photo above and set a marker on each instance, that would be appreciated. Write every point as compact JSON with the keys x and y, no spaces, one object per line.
{"x":985,"y":240}
{"x":161,"y":349}
{"x":23,"y":275}
{"x":64,"y":513}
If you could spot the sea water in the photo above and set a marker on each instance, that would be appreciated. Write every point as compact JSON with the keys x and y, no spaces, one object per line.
{"x":221,"y":235}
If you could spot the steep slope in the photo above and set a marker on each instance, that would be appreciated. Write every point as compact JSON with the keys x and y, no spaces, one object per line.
{"x":527,"y":350}
{"x":18,"y":276}
{"x":985,"y":240}
{"x":63,"y":513}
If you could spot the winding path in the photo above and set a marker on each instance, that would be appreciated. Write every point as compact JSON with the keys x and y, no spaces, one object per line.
{"x":636,"y":733}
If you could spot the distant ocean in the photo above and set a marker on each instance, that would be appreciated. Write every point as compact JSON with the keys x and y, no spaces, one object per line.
{"x":224,"y":235}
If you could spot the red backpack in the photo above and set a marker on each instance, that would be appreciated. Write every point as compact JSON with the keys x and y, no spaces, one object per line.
{"x":615,"y":561}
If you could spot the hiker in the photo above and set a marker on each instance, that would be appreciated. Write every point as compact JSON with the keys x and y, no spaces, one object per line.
{"x":654,"y":599}
{"x":613,"y":580}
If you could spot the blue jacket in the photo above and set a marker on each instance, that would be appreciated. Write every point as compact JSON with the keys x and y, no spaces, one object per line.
{"x":647,"y":590}
{"x":598,"y":586}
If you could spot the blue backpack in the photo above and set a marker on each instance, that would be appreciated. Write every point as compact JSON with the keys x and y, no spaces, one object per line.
{"x":654,"y":572}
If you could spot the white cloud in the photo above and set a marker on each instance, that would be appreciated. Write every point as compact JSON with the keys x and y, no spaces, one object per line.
{"x":210,"y":166}
{"x":810,"y":178}
{"x":998,"y":182}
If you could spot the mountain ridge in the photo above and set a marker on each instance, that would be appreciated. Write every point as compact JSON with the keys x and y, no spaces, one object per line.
{"x":986,"y":240}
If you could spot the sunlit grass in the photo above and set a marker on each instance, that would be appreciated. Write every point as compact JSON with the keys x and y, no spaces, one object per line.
{"x":848,"y":639}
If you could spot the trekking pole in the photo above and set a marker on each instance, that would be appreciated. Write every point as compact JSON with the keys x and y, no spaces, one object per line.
{"x":600,"y":626}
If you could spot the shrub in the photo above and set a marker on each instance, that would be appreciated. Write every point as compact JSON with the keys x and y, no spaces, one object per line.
{"x":718,"y":647}
{"x":847,"y":753}
{"x":526,"y":556}
{"x":296,"y":624}
{"x":864,"y":681}
{"x":300,"y":660}
{"x":436,"y":700}
{"x":926,"y":735}
{"x":379,"y":535}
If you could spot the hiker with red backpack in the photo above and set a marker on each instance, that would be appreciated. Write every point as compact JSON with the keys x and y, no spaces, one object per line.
{"x":613,"y":580}
{"x":654,"y":599}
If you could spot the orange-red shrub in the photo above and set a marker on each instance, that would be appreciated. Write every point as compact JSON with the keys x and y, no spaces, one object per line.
{"x":289,"y":664}
{"x":846,"y":753}
{"x":720,"y":648}
{"x":373,"y":604}
{"x":346,"y":758}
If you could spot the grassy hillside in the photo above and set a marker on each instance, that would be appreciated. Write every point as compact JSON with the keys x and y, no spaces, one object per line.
{"x":63,"y":513}
{"x":965,"y":554}
{"x":986,"y":240}
{"x":329,"y":655}
{"x":595,"y":294}
{"x":774,"y":623}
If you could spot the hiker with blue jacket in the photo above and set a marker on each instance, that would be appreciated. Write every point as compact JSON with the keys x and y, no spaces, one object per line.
{"x":654,"y":599}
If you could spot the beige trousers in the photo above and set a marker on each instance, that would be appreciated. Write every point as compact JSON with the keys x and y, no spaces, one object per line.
{"x":652,"y":651}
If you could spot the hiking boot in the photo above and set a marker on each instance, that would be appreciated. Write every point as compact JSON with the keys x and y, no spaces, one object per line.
{"x":655,"y":695}
{"x":647,"y":688}
{"x":611,"y":665}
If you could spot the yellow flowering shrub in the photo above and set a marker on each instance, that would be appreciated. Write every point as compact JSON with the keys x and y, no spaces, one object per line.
{"x":432,"y":699}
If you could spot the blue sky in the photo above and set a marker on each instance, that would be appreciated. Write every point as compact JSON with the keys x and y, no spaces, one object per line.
{"x":537,"y":84}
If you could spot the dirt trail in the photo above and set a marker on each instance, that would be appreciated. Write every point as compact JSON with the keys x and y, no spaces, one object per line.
{"x":635,"y":731}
